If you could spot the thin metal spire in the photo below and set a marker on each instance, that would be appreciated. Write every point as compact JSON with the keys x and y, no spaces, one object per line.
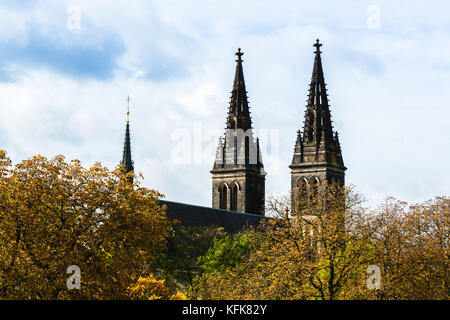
{"x":126,"y":156}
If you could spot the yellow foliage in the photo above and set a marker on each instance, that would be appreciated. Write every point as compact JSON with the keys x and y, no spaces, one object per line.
{"x":178,"y":296}
{"x":54,"y":214}
{"x":149,"y":288}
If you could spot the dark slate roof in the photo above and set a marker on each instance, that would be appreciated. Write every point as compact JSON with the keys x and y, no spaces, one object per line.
{"x":192,"y":215}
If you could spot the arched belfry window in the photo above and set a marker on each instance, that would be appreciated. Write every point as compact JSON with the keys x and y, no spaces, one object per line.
{"x":302,"y":186}
{"x":234,"y":197}
{"x":223,"y":191}
{"x":314,"y":188}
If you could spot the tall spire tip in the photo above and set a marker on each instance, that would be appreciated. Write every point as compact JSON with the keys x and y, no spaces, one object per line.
{"x":239,"y":54}
{"x":128,"y":109}
{"x":317,"y":45}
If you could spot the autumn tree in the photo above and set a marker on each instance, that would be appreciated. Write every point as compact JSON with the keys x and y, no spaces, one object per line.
{"x":413,"y":248}
{"x":54,"y":214}
{"x":317,"y":250}
{"x":322,"y":248}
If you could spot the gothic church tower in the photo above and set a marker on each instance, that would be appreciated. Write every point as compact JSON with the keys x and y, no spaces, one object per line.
{"x":317,"y":154}
{"x":238,"y":177}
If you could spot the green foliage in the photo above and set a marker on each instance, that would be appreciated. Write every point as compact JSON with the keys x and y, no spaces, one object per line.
{"x":227,"y":252}
{"x":179,"y":264}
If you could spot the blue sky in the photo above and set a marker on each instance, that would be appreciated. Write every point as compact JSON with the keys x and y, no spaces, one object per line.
{"x":66,"y":69}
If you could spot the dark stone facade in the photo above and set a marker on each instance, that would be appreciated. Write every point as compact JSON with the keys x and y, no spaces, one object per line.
{"x":250,"y":190}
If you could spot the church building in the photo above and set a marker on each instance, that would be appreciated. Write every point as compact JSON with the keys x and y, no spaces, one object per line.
{"x":238,"y":176}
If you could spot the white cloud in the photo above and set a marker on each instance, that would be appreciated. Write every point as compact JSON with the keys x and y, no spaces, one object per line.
{"x":387,"y":87}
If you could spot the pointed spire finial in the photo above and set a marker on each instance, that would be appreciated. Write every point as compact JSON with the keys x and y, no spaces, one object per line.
{"x":317,"y":45}
{"x":128,"y":109}
{"x":239,"y":54}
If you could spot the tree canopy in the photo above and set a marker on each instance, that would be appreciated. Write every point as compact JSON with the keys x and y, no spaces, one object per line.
{"x":56,"y":217}
{"x":54,"y":214}
{"x":327,"y":248}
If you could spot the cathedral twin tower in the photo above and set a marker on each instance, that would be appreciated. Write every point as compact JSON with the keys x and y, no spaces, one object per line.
{"x":238,"y":176}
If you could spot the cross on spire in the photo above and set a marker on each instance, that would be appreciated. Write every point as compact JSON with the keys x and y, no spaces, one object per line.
{"x":317,"y":45}
{"x":239,"y":54}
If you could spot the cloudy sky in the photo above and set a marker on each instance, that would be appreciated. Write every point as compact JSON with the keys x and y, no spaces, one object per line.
{"x":66,"y":68}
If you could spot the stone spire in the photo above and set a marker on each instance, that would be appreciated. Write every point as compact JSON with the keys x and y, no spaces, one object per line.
{"x":298,"y":149}
{"x":319,"y":141}
{"x":126,"y":157}
{"x":238,"y":111}
{"x":317,"y":154}
{"x":318,"y":117}
{"x":238,"y":173}
{"x":239,"y":148}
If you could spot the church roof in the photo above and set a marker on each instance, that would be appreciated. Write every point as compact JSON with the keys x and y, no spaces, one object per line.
{"x":192,"y":215}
